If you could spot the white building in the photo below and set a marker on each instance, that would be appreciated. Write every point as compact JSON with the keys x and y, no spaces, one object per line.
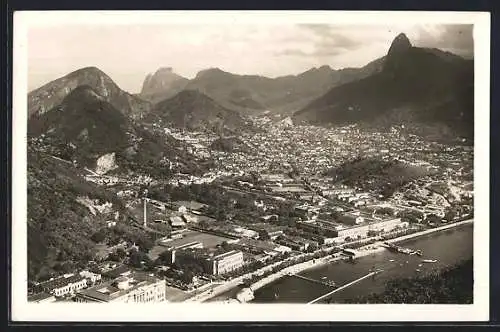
{"x":226,"y":262}
{"x":362,"y":230}
{"x":134,"y":288}
{"x":92,"y":277}
{"x":67,"y":284}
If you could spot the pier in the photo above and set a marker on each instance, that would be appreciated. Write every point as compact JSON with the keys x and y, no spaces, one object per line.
{"x":344,"y":286}
{"x":400,"y":249}
{"x":328,"y":283}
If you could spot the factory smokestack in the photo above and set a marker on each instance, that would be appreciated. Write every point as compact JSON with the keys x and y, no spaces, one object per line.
{"x":145,"y":213}
{"x":145,"y":197}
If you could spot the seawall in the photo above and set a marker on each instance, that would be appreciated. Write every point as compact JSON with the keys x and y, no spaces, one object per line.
{"x":429,"y":231}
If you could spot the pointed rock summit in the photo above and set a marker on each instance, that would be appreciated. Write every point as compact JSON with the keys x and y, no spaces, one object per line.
{"x":400,"y":44}
{"x":163,"y":80}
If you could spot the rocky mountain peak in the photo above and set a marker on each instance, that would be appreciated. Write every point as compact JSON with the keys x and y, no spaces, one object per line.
{"x":164,"y":70}
{"x":163,"y":79}
{"x":400,"y":44}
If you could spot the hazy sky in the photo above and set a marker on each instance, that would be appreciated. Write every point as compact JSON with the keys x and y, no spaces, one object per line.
{"x":128,"y":53}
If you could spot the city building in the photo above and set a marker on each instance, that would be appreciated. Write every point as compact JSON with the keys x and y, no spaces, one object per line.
{"x":244,"y":232}
{"x":113,"y":270}
{"x":92,"y":277}
{"x":212,"y":262}
{"x":186,"y":206}
{"x":351,"y":218}
{"x":333,"y":230}
{"x":66,"y":284}
{"x":172,"y":250}
{"x":134,"y":288}
{"x":293,"y":244}
{"x":225,"y":262}
{"x":362,"y":230}
{"x":177,"y":222}
{"x":320,"y":227}
{"x":307,"y":211}
{"x":338,"y":191}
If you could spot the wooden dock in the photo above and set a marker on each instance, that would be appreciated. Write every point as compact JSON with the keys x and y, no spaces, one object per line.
{"x":344,"y":286}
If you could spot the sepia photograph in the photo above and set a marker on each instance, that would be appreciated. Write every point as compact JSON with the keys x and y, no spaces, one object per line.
{"x":310,"y":165}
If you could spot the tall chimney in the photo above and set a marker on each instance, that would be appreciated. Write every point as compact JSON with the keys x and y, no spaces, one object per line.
{"x":145,"y":212}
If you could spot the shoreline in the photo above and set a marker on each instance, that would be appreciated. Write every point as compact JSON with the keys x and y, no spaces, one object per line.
{"x":430,"y":231}
{"x":246,"y":294}
{"x":368,"y":249}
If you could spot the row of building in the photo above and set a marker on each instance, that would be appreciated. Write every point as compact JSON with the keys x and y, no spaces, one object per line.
{"x":341,"y":232}
{"x":67,"y":284}
{"x":125,"y":287}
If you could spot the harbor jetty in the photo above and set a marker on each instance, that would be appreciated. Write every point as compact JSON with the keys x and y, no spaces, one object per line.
{"x":371,"y":274}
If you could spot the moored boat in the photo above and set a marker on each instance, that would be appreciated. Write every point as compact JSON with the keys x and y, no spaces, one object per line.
{"x":429,"y":260}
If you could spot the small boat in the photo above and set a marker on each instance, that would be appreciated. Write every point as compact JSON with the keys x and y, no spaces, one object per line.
{"x":419,"y":265}
{"x":429,"y":260}
{"x":391,"y":260}
{"x":324,"y":277}
{"x":418,"y":270}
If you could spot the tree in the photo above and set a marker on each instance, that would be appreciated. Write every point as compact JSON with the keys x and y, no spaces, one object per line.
{"x":386,"y":211}
{"x":118,"y":255}
{"x":137,"y":257}
{"x":451,"y":213}
{"x":224,"y":245}
{"x":432,"y":218}
{"x":264,"y":235}
{"x":411,"y":216}
{"x":187,"y":277}
{"x":98,"y":236}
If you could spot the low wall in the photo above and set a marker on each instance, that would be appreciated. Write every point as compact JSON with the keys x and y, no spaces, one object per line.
{"x":429,"y":231}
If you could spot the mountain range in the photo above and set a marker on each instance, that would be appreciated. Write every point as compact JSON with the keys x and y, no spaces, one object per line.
{"x":85,"y":127}
{"x":427,"y":89}
{"x":250,"y":93}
